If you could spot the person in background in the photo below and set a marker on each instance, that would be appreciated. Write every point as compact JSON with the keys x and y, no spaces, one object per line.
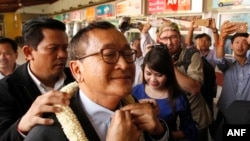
{"x":146,"y":39}
{"x":227,"y":46}
{"x":31,"y":90}
{"x":139,"y":58}
{"x":236,"y":71}
{"x":104,"y":70}
{"x":248,"y":52}
{"x":160,"y":84}
{"x":8,"y":56}
{"x":203,"y":41}
{"x":190,"y":80}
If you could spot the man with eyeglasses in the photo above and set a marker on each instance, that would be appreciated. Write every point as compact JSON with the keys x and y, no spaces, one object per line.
{"x":190,"y":80}
{"x":102,"y":63}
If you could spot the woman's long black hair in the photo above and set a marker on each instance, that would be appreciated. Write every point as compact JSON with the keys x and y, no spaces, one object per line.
{"x":159,"y":59}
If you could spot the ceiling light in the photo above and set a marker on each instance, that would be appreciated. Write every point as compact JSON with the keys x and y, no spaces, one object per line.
{"x":20,"y":4}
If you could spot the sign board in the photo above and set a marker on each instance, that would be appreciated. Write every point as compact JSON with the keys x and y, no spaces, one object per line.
{"x":105,"y":11}
{"x":75,"y":15}
{"x":178,"y":5}
{"x":230,"y":3}
{"x":90,"y":13}
{"x":129,"y":8}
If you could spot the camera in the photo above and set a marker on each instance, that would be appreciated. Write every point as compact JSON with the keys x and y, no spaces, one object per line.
{"x":125,"y":24}
{"x":160,"y":45}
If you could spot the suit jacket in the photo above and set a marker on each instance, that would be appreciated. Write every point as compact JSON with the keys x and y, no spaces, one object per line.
{"x":17,"y":93}
{"x":55,"y":132}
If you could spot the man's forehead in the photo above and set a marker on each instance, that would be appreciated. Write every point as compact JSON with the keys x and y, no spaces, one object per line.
{"x":168,"y":32}
{"x":241,"y":38}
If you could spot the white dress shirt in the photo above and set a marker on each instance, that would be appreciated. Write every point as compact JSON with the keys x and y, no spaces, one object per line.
{"x":100,"y":117}
{"x":43,"y":89}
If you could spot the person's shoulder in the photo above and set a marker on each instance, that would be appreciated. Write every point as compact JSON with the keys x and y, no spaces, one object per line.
{"x":46,"y":132}
{"x":182,"y":100}
{"x":138,"y":86}
{"x":18,"y":76}
{"x":182,"y":96}
{"x":138,"y":89}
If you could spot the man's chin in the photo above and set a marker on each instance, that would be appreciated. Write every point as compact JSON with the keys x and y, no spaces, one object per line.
{"x":60,"y":67}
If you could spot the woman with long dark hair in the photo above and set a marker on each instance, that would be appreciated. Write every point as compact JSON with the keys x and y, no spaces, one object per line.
{"x":160,"y":87}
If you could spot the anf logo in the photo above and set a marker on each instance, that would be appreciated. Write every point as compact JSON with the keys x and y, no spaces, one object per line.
{"x":236,"y":132}
{"x":241,"y":132}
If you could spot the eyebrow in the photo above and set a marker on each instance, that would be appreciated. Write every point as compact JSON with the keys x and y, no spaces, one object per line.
{"x":112,"y":45}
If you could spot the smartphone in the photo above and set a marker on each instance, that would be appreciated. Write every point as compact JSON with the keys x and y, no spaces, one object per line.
{"x":202,"y":22}
{"x":241,"y":27}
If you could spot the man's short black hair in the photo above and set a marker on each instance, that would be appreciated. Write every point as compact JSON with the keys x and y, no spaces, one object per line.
{"x":32,"y":29}
{"x":12,"y":43}
{"x":239,"y":35}
{"x":197,"y":36}
{"x":203,"y":35}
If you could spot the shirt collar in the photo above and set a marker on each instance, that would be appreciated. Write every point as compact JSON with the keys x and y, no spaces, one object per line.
{"x":2,"y":76}
{"x":94,"y":111}
{"x":235,"y":61}
{"x":43,"y":88}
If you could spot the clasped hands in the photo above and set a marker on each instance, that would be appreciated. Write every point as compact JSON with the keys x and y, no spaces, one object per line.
{"x":130,"y":121}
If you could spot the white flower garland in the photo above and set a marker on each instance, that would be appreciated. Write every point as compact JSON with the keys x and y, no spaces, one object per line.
{"x":70,"y":124}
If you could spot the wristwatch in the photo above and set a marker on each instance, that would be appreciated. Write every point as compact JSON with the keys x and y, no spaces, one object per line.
{"x":215,"y":30}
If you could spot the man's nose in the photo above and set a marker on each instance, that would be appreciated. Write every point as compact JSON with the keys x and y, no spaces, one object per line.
{"x":122,"y":62}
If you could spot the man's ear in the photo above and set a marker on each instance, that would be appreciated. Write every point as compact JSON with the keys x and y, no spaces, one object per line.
{"x":76,"y":70}
{"x":27,"y":50}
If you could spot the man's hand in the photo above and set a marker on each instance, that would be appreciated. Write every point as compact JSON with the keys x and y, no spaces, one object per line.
{"x":192,"y":24}
{"x":226,"y":28}
{"x":212,"y":24}
{"x":122,"y":128}
{"x":145,"y":117}
{"x":43,"y":104}
{"x":153,"y":103}
{"x":146,"y":28}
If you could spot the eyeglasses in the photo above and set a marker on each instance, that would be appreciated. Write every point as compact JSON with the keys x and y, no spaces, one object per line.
{"x":111,"y":55}
{"x":171,"y":38}
{"x":161,"y":46}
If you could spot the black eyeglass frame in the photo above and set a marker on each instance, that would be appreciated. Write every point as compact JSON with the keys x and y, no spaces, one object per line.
{"x":160,"y":45}
{"x":134,"y":52}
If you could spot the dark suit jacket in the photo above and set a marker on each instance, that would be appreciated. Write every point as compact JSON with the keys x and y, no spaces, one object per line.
{"x":17,"y":93}
{"x":55,"y":133}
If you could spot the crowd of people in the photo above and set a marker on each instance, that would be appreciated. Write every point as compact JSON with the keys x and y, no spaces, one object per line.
{"x":138,"y":91}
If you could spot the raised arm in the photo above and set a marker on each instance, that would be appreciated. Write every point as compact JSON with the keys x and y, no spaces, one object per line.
{"x":212,"y":26}
{"x":145,"y":37}
{"x":189,"y":37}
{"x":226,"y":28}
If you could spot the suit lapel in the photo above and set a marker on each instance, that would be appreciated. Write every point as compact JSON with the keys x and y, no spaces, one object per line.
{"x":22,"y":87}
{"x":83,"y":119}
